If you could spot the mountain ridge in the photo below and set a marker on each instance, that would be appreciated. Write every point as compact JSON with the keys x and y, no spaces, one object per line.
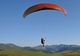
{"x":47,"y":48}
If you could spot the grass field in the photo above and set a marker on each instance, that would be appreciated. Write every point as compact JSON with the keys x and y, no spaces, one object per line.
{"x":31,"y":53}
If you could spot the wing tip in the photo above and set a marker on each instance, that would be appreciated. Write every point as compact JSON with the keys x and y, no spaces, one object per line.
{"x":24,"y":15}
{"x":65,"y":12}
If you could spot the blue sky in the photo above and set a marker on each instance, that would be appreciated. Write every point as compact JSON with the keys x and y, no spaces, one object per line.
{"x":57,"y":28}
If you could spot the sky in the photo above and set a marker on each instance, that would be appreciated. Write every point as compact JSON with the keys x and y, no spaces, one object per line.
{"x":53,"y":25}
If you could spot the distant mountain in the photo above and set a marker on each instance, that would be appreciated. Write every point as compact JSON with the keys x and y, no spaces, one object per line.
{"x":9,"y":47}
{"x":47,"y":48}
{"x":58,"y":48}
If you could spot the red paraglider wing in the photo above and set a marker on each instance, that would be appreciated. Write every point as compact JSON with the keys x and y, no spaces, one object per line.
{"x":44,"y":6}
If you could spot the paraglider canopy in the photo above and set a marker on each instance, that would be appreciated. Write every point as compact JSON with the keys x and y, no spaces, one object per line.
{"x":43,"y":6}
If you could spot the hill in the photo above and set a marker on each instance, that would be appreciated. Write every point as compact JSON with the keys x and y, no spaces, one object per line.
{"x":52,"y":50}
{"x":47,"y":48}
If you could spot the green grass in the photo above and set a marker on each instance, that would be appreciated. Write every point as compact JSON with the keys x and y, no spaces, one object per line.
{"x":31,"y":53}
{"x":22,"y":53}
